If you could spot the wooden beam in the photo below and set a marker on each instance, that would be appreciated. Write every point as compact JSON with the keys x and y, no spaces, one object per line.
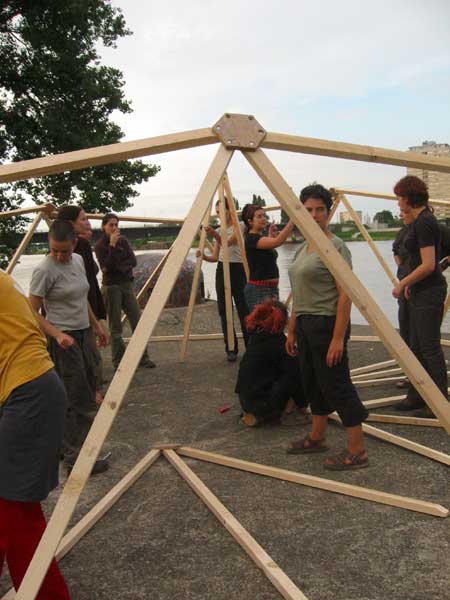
{"x":103,"y":155}
{"x":98,"y":217}
{"x":24,"y":243}
{"x":328,"y":485}
{"x":446,"y":306}
{"x":368,"y":239}
{"x":120,"y":383}
{"x":373,"y":367}
{"x":365,"y":338}
{"x":20,"y":211}
{"x":226,"y":270}
{"x":305,"y":145}
{"x":271,"y":570}
{"x":402,"y":420}
{"x":434,"y":201}
{"x":376,"y":382}
{"x":337,"y":201}
{"x":194,"y":286}
{"x":352,"y":286}
{"x":237,"y":229}
{"x":193,"y":337}
{"x":402,"y":442}
{"x":381,"y":402}
{"x":377,"y":374}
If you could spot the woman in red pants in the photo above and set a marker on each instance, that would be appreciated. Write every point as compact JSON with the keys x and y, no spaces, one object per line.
{"x":32,"y":410}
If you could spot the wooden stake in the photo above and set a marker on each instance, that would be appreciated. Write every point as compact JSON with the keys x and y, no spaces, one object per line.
{"x":120,"y":383}
{"x":401,"y":420}
{"x":305,"y":145}
{"x":328,"y":485}
{"x":24,"y":243}
{"x":368,"y":239}
{"x":402,"y":442}
{"x":226,"y":270}
{"x":271,"y":570}
{"x":352,"y":286}
{"x":194,"y":287}
{"x":103,"y":155}
{"x":237,"y":229}
{"x":373,"y":367}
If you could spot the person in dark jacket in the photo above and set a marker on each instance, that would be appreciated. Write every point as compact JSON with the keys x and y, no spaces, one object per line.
{"x":425,"y":288}
{"x":268,"y":377}
{"x":117,"y":260}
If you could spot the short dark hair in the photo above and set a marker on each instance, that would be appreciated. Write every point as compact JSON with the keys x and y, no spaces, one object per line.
{"x":413,"y":189}
{"x":69,"y":212}
{"x":108,"y":217}
{"x":317,"y":192}
{"x":62,"y":231}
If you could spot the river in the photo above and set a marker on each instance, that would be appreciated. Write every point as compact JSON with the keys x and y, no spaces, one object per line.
{"x":365,"y":265}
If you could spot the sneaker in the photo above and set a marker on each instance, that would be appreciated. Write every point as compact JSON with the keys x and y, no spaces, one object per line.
{"x":146,"y":363}
{"x":249,"y":420}
{"x":231,"y":356}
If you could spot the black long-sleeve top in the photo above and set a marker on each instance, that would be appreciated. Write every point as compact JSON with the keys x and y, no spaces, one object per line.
{"x":116,"y":262}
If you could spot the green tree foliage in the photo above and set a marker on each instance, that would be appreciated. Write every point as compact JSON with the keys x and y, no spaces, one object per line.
{"x":56,"y":96}
{"x":385,"y":216}
{"x":284,"y":217}
{"x":258,"y":200}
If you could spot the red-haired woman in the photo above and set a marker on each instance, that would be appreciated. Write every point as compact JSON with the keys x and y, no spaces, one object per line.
{"x":268,"y":377}
{"x":261,"y":255}
{"x":425,"y":287}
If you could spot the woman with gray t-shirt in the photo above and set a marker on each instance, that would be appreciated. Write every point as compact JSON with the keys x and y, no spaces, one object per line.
{"x":320,"y":327}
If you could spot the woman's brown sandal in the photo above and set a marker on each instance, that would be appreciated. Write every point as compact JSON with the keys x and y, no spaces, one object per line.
{"x":346,"y":461}
{"x":306,"y":446}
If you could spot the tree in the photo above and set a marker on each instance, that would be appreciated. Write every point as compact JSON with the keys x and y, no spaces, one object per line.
{"x":258,"y":200}
{"x":56,"y":96}
{"x":385,"y":216}
{"x":284,"y":217}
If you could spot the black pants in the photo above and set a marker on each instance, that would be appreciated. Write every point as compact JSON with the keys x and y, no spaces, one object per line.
{"x":403,"y":318}
{"x":426,"y":310}
{"x":238,"y":282}
{"x":327,"y":389}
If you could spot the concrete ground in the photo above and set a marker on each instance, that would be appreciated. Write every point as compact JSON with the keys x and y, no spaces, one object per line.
{"x":161,"y":542}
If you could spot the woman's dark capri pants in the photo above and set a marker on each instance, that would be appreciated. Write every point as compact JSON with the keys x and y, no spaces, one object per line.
{"x":327,"y":389}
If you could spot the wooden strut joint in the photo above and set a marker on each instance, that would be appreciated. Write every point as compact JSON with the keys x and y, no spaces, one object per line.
{"x":100,"y":509}
{"x":239,"y":131}
{"x":120,"y":383}
{"x":328,"y":485}
{"x":103,"y":155}
{"x":150,"y":280}
{"x":352,"y":286}
{"x":369,"y":240}
{"x":194,"y":286}
{"x":402,"y":442}
{"x":229,"y":194}
{"x":24,"y":243}
{"x":226,"y":271}
{"x":271,"y":570}
{"x":305,"y":145}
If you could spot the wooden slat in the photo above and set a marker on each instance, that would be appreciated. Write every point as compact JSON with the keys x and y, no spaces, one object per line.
{"x":120,"y":383}
{"x":377,"y":374}
{"x":381,"y":402}
{"x":271,"y":570}
{"x":402,"y":420}
{"x":24,"y":243}
{"x":376,"y":382}
{"x":368,"y":239}
{"x":402,"y":442}
{"x":20,"y":211}
{"x":102,"y":155}
{"x":133,"y":219}
{"x":328,"y":485}
{"x":305,"y":145}
{"x":373,"y":367}
{"x":352,"y":286}
{"x":433,"y":201}
{"x":194,"y":286}
{"x":226,"y":270}
{"x":237,"y":229}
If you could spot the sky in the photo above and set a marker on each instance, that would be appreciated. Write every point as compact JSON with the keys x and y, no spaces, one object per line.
{"x":352,"y":71}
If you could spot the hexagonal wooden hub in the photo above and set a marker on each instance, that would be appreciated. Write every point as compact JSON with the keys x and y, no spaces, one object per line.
{"x":239,"y":131}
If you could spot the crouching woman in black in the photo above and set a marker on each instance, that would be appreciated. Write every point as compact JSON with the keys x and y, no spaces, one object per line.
{"x":424,"y":288}
{"x":268,"y":377}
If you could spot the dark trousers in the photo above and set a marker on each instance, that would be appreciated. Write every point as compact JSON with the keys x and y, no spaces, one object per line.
{"x":256,"y":294}
{"x":238,"y":282}
{"x":327,"y":389}
{"x":21,"y":527}
{"x":403,"y":318}
{"x":120,"y":297}
{"x":426,"y":310}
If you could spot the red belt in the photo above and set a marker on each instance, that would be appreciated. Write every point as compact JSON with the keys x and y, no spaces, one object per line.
{"x":264,"y":283}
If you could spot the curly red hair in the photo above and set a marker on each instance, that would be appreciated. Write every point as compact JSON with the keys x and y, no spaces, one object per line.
{"x":271,"y":317}
{"x":413,"y":190}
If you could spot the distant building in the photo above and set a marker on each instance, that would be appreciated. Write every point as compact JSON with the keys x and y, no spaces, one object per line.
{"x":346,"y":216}
{"x":438,"y":183}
